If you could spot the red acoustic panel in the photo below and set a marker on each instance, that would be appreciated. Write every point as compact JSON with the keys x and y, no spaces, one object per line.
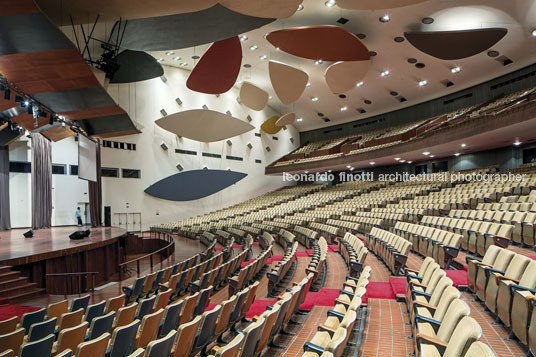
{"x":328,"y":43}
{"x":218,"y":68}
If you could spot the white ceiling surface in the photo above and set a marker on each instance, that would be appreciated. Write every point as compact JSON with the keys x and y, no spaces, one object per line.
{"x":518,"y":16}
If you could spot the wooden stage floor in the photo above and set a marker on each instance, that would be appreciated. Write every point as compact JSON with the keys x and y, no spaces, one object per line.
{"x":50,"y":243}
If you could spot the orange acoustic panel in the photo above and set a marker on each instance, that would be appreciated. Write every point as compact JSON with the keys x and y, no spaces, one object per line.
{"x":28,"y":122}
{"x":375,"y":4}
{"x":275,"y":9}
{"x":286,"y":119}
{"x":253,"y":97}
{"x":93,"y":112}
{"x":58,"y":133}
{"x":218,"y":68}
{"x":328,"y":43}
{"x":342,"y":77}
{"x":288,"y":82}
{"x":269,"y":126}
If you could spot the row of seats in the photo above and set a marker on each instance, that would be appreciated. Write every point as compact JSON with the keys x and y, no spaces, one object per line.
{"x":247,"y":274}
{"x":440,"y":320}
{"x":305,"y":236}
{"x":327,"y":231}
{"x":317,"y":265}
{"x":392,"y":249}
{"x":354,"y":253}
{"x":280,"y":270}
{"x":439,"y":244}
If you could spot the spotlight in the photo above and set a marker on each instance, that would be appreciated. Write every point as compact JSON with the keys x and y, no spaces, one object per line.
{"x":26,"y":103}
{"x":170,"y":53}
{"x":426,"y":153}
{"x":372,"y":163}
{"x":517,"y":143}
{"x":299,"y":120}
{"x":263,"y":57}
{"x":533,"y":33}
{"x":463,"y":145}
{"x":385,"y":19}
{"x":457,"y":154}
{"x":360,"y":84}
{"x":455,"y":70}
{"x":423,"y":83}
{"x":319,"y":61}
{"x":177,"y":58}
{"x":243,"y":38}
{"x":300,"y":7}
{"x":330,"y":3}
{"x":314,"y":99}
{"x":397,"y":158}
{"x":160,"y":60}
{"x":385,"y":73}
{"x":343,"y":109}
{"x":254,"y":47}
{"x":308,"y":84}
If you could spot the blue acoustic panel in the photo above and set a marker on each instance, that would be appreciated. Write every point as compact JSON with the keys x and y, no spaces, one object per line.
{"x":193,"y":185}
{"x":136,"y":66}
{"x":174,"y":32}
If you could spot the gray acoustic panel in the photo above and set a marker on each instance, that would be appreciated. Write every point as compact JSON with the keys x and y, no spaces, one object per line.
{"x":7,"y":135}
{"x":107,"y":124}
{"x":187,"y":30}
{"x":193,"y":185}
{"x":75,"y":99}
{"x":136,"y":66}
{"x":30,"y":33}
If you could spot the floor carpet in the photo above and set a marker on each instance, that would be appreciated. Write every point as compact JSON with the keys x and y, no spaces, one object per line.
{"x":458,"y":277}
{"x":8,"y":311}
{"x":379,"y":290}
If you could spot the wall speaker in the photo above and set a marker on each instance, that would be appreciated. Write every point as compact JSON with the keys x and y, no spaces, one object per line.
{"x":268,"y":149}
{"x":163,"y":112}
{"x":250,"y":146}
{"x":163,"y":78}
{"x":292,"y":140}
{"x":249,"y":118}
{"x":179,"y":167}
{"x":229,"y":142}
{"x":28,"y":234}
{"x":205,"y":107}
{"x":164,"y":146}
{"x":228,"y":113}
{"x":238,"y":100}
{"x":178,"y":100}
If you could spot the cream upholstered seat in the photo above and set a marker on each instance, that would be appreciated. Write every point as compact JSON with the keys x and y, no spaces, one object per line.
{"x":466,"y":332}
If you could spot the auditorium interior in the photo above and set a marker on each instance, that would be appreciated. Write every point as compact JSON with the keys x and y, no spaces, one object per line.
{"x":258,"y":178}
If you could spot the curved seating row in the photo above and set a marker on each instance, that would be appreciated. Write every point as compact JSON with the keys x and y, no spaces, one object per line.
{"x":392,"y":249}
{"x":354,"y":253}
{"x":279,"y":272}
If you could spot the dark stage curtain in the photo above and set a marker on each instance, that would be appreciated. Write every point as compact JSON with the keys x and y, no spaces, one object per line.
{"x":95,"y":194}
{"x":41,"y":181}
{"x":5,"y":222}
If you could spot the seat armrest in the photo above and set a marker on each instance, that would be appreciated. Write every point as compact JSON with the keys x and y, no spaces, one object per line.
{"x":346,"y":292}
{"x":326,"y":329}
{"x":311,"y":347}
{"x":427,"y":319}
{"x":411,"y":276}
{"x":468,"y":258}
{"x":421,"y":293}
{"x":430,"y":340}
{"x":338,"y":315}
{"x":514,"y":287}
{"x":490,"y":270}
{"x":345,"y":303}
{"x":352,"y":278}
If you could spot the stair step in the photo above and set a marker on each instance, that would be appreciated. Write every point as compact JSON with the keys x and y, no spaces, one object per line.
{"x":20,"y":280}
{"x":17,"y":290}
{"x":4,"y":269}
{"x":26,"y":295}
{"x":10,"y":275}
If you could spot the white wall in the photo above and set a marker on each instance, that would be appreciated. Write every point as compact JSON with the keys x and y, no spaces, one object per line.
{"x":143,"y":101}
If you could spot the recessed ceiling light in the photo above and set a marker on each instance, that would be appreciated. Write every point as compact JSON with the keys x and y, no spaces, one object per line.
{"x":299,"y":120}
{"x":263,"y":57}
{"x":184,"y":64}
{"x":457,"y":154}
{"x":432,"y":155}
{"x":426,"y":153}
{"x":385,"y":18}
{"x":243,"y":38}
{"x":463,"y":145}
{"x":195,"y":57}
{"x":410,"y":162}
{"x":306,"y":172}
{"x":319,"y":61}
{"x":397,"y":158}
{"x":254,"y":47}
{"x":343,"y":109}
{"x":455,"y":70}
{"x":372,"y":163}
{"x":277,"y":48}
{"x":177,"y":58}
{"x":330,"y":3}
{"x":423,"y":83}
{"x":269,"y":97}
{"x":517,"y":143}
{"x":314,"y":99}
{"x":160,"y":60}
{"x":402,"y":161}
{"x":170,"y":53}
{"x":385,"y":73}
{"x":533,"y":33}
{"x":351,"y":169}
{"x":308,"y":84}
{"x":348,"y":166}
{"x":427,"y":20}
{"x":300,"y":7}
{"x":329,"y":170}
{"x":360,"y":84}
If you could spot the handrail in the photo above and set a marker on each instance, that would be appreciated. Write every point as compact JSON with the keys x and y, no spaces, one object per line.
{"x":168,"y":237}
{"x":79,"y":275}
{"x":67,"y":274}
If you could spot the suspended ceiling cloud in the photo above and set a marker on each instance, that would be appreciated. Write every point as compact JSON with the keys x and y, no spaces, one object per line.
{"x":193,"y":185}
{"x":269,"y":126}
{"x":253,"y":97}
{"x":375,"y":4}
{"x":263,"y":8}
{"x":328,"y":43}
{"x":286,"y":119}
{"x":218,"y":68}
{"x":136,"y":66}
{"x":186,"y":30}
{"x":204,"y":125}
{"x":453,"y":45}
{"x":58,"y":133}
{"x":288,"y":82}
{"x":342,"y":77}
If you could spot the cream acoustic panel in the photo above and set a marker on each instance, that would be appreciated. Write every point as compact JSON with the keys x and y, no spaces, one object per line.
{"x":253,"y":97}
{"x":375,"y":4}
{"x":288,"y":82}
{"x":273,"y":9}
{"x":204,"y":125}
{"x":342,"y":77}
{"x":83,"y":11}
{"x":286,"y":119}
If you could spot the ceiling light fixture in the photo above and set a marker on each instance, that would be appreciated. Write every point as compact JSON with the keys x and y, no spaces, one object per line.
{"x":308,"y":84}
{"x":300,"y":7}
{"x":348,"y":166}
{"x":170,"y":53}
{"x":463,"y":145}
{"x":533,"y":33}
{"x":426,"y":153}
{"x":385,"y":73}
{"x":269,"y":97}
{"x":160,"y":60}
{"x":432,"y":155}
{"x":263,"y":57}
{"x":299,"y":120}
{"x":402,"y":161}
{"x":517,"y":143}
{"x":410,"y":162}
{"x":254,"y":47}
{"x":360,"y":84}
{"x":397,"y":158}
{"x":319,"y":61}
{"x":385,"y":18}
{"x":455,"y":70}
{"x":330,"y":3}
{"x":243,"y":38}
{"x":177,"y":58}
{"x":423,"y":83}
{"x":184,"y":64}
{"x":372,"y":163}
{"x":314,"y":99}
{"x":457,"y":154}
{"x":343,"y":109}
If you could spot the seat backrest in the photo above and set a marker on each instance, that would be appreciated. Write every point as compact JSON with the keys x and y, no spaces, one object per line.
{"x":149,"y":328}
{"x":427,"y":261}
{"x":9,"y":325}
{"x":479,"y":349}
{"x":42,"y":329}
{"x":12,"y":340}
{"x":80,"y":303}
{"x":337,"y":343}
{"x":528,"y":279}
{"x":252,"y":335}
{"x":95,"y":347}
{"x":162,"y":346}
{"x":517,"y":266}
{"x":189,"y":307}
{"x":31,"y":318}
{"x":7,"y":353}
{"x":491,"y":254}
{"x":114,"y":303}
{"x":42,"y":347}
{"x":432,"y":267}
{"x":69,"y":338}
{"x":162,"y":299}
{"x":123,"y":339}
{"x":232,"y":348}
{"x":94,"y":310}
{"x":456,"y":311}
{"x":466,"y":332}
{"x":101,"y":324}
{"x":439,"y":289}
{"x":208,"y":324}
{"x":57,"y":309}
{"x":202,"y":303}
{"x":171,"y":318}
{"x":145,"y":306}
{"x":148,"y":283}
{"x":270,"y":317}
{"x":225,"y":315}
{"x":138,"y":285}
{"x":449,"y":294}
{"x":125,"y":315}
{"x":184,"y":340}
{"x":503,"y":259}
{"x":71,"y":319}
{"x":436,"y":276}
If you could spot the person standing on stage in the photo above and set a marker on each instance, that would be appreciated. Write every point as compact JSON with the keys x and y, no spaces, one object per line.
{"x":79,"y":217}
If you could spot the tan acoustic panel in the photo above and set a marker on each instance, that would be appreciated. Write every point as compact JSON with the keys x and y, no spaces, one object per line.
{"x":58,"y":133}
{"x":286,"y":119}
{"x":272,"y":9}
{"x":288,"y":82}
{"x":269,"y":126}
{"x":375,"y":4}
{"x":204,"y":125}
{"x":253,"y":97}
{"x":84,"y":11}
{"x":342,"y":77}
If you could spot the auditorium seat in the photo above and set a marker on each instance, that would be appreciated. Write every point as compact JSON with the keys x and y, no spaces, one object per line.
{"x":170,"y":320}
{"x":80,"y":303}
{"x":161,"y":347}
{"x":132,"y":293}
{"x":148,"y":330}
{"x":42,"y":347}
{"x":29,"y":318}
{"x":422,"y":310}
{"x":145,"y":306}
{"x":431,"y":295}
{"x":70,"y":319}
{"x":93,"y":348}
{"x":324,"y":341}
{"x":114,"y":303}
{"x":7,"y":353}
{"x":125,"y":315}
{"x":203,"y":301}
{"x":184,"y":339}
{"x":499,"y":265}
{"x":138,"y":353}
{"x":70,"y":338}
{"x":252,"y":335}
{"x":473,"y":263}
{"x":9,"y":325}
{"x":93,"y":311}
{"x":41,"y":330}
{"x":123,"y":340}
{"x":147,"y":285}
{"x":206,"y":329}
{"x":57,"y":309}
{"x":13,"y":340}
{"x":231,"y":349}
{"x":225,"y":316}
{"x":189,"y":306}
{"x":100,"y":325}
{"x":162,"y":299}
{"x":479,"y":349}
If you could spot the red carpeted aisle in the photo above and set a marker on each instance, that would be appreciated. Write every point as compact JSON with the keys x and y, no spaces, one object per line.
{"x":8,"y":311}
